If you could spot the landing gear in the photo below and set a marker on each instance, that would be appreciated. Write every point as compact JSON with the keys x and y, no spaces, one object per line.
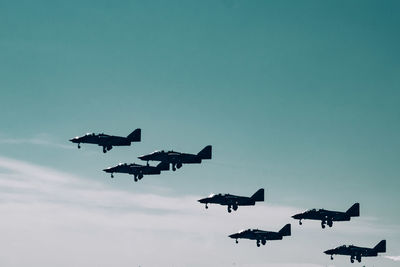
{"x":229,"y":209}
{"x":330,"y":223}
{"x":79,"y":146}
{"x":106,"y":148}
{"x":323,"y":224}
{"x":135,"y":178}
{"x":331,"y":257}
{"x":263,"y":242}
{"x":176,"y":166}
{"x":140,"y":176}
{"x":112,"y":175}
{"x":237,"y":241}
{"x":300,"y":222}
{"x":235,"y":207}
{"x":258,"y":243}
{"x":207,"y":206}
{"x":352,"y":259}
{"x":358,"y":257}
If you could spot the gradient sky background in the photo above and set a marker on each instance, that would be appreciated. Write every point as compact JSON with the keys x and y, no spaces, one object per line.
{"x":299,"y":97}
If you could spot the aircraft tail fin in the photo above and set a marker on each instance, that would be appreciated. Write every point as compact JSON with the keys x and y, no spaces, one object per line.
{"x":259,"y":195}
{"x":381,"y":247}
{"x":354,"y":210}
{"x":286,"y":230}
{"x":163,"y":166}
{"x":135,"y":136}
{"x":205,"y":153}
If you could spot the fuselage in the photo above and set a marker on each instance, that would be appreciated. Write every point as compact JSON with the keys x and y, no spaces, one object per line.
{"x":352,"y":251}
{"x":133,"y":169}
{"x":102,"y":140}
{"x":256,"y":234}
{"x":322,"y":215}
{"x":171,"y":157}
{"x":228,"y":199}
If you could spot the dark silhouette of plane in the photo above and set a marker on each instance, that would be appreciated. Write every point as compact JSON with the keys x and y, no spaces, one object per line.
{"x":178,"y":158}
{"x":357,"y":252}
{"x":327,"y":216}
{"x":137,"y":170}
{"x":233,"y":201}
{"x":262,"y":236}
{"x":107,"y":141}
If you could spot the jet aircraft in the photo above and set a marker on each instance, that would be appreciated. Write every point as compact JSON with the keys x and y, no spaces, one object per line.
{"x":262,"y":236}
{"x":357,"y":252}
{"x":233,"y":201}
{"x":178,"y":158}
{"x":327,"y":216}
{"x":137,"y":170}
{"x":108,"y":141}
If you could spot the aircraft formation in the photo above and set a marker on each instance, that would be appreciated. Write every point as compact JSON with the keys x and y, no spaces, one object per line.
{"x":177,"y":159}
{"x":166,"y":158}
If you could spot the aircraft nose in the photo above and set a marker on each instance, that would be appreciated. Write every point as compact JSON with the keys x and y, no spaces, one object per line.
{"x":74,"y":140}
{"x":296,"y":216}
{"x":142,"y":157}
{"x":329,"y":252}
{"x":203,"y":200}
{"x":233,"y":235}
{"x":107,"y":170}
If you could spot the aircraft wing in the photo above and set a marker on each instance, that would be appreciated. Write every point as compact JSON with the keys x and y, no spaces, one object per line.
{"x":261,"y":234}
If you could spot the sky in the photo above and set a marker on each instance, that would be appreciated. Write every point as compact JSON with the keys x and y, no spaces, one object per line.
{"x":298,"y":97}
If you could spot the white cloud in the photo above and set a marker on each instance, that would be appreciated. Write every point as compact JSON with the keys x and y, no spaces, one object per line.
{"x":288,"y":265}
{"x":40,"y":139}
{"x":394,"y":258}
{"x":64,"y":215}
{"x":57,"y":219}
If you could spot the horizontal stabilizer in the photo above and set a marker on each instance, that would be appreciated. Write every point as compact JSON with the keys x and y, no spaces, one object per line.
{"x":381,"y":247}
{"x":163,"y":166}
{"x":205,"y":153}
{"x":286,"y":230}
{"x":135,"y":136}
{"x":259,"y":195}
{"x":354,"y":211}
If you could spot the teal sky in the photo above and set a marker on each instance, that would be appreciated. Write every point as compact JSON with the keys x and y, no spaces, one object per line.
{"x":299,"y":97}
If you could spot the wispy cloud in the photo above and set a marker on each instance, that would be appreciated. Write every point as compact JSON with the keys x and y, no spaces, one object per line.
{"x":48,"y":209}
{"x":27,"y":183}
{"x":287,"y":265}
{"x":57,"y":219}
{"x":394,"y":258}
{"x":40,"y":139}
